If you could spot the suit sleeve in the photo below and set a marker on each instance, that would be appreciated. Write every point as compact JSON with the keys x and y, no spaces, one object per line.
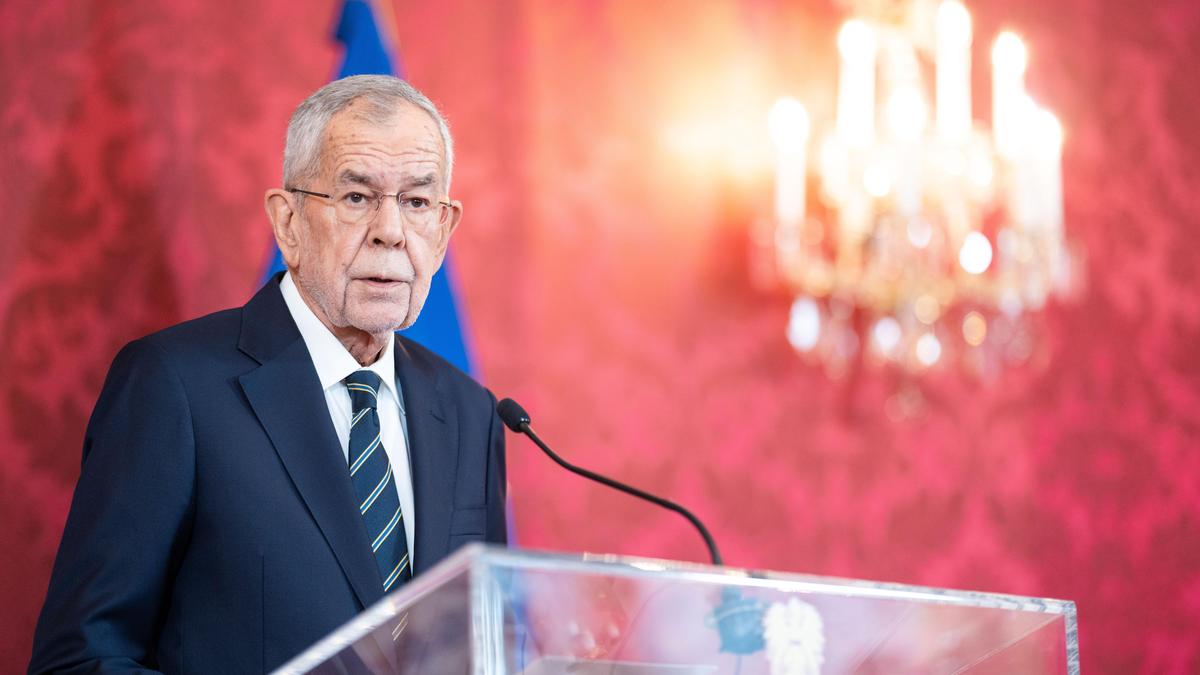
{"x":127,"y":527}
{"x":497,"y":481}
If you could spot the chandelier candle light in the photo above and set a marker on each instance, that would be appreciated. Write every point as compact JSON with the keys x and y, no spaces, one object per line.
{"x":929,"y":235}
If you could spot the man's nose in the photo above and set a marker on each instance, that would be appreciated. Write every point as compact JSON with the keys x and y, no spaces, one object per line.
{"x":388,"y":227}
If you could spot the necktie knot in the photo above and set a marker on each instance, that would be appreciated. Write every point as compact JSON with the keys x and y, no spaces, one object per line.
{"x":364,"y":389}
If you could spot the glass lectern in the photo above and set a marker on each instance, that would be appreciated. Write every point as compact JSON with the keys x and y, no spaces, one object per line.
{"x":491,"y":611}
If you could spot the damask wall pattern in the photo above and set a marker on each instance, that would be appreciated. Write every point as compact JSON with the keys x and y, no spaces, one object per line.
{"x":137,"y":139}
{"x":604,"y":264}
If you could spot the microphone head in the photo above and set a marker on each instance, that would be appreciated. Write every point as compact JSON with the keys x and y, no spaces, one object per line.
{"x":512,"y":414}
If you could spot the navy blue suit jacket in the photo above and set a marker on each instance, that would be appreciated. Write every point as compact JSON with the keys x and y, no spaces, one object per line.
{"x":214,"y":526}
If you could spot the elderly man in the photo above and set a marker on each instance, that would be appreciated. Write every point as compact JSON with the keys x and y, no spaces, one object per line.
{"x":254,"y":478}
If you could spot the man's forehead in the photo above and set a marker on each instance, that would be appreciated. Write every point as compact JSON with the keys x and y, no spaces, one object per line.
{"x":361,"y":119}
{"x":362,"y":147}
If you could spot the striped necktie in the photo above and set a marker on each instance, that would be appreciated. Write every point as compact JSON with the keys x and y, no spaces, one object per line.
{"x":371,"y":474}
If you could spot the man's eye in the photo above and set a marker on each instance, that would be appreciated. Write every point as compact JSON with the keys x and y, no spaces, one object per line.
{"x":356,"y":198}
{"x":415,"y":203}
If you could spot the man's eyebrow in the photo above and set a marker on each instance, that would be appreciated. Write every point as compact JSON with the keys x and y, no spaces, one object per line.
{"x":422,"y":181}
{"x":354,"y":178}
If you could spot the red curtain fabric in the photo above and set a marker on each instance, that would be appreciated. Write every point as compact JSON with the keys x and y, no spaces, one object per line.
{"x":610,"y":164}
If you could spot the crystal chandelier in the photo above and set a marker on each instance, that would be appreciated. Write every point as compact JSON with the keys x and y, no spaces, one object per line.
{"x":931,"y":239}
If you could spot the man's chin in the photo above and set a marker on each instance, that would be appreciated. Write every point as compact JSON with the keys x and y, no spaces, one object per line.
{"x":379,"y":327}
{"x":378,"y":313}
{"x":381,"y":322}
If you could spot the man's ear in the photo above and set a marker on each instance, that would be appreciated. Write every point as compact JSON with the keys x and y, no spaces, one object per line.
{"x":283,"y":211}
{"x":456,"y":212}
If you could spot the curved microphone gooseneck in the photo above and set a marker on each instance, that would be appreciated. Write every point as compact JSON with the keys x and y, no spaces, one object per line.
{"x":515,"y":418}
{"x":738,"y":620}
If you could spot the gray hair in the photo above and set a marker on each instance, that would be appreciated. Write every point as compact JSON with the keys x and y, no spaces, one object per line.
{"x":382,"y":93}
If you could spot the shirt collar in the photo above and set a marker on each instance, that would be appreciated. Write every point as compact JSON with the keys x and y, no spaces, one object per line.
{"x":331,"y":359}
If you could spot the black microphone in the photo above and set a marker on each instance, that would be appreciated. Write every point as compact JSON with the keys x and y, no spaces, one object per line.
{"x":515,"y":418}
{"x":738,"y":620}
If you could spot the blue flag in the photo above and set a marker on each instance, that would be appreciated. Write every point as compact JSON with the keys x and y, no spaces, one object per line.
{"x":440,"y":327}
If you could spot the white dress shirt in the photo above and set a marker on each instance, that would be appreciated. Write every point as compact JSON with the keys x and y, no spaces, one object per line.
{"x":334,"y":363}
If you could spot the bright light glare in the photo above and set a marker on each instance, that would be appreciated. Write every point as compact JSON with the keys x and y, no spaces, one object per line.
{"x":1047,"y":129}
{"x":886,"y":335}
{"x":856,"y":40}
{"x":929,"y":350}
{"x":979,"y":170}
{"x":954,"y":23}
{"x":955,"y":161}
{"x":975,"y":254}
{"x":907,"y":113}
{"x":1009,"y":53}
{"x":877,"y":178}
{"x":788,"y":124}
{"x":804,"y":324}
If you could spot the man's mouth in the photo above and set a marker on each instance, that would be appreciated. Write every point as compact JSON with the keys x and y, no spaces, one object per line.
{"x":382,"y":280}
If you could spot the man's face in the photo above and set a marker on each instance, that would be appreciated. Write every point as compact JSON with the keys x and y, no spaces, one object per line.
{"x":372,"y":276}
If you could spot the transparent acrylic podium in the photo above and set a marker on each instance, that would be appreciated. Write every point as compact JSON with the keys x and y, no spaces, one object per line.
{"x":491,"y":611}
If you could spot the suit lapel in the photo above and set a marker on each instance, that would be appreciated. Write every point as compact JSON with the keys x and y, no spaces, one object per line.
{"x":286,"y":395}
{"x":433,"y":447}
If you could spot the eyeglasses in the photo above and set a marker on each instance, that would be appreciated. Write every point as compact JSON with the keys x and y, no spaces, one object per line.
{"x":360,"y":205}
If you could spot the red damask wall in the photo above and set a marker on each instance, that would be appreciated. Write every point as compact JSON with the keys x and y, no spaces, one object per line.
{"x":609,"y":172}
